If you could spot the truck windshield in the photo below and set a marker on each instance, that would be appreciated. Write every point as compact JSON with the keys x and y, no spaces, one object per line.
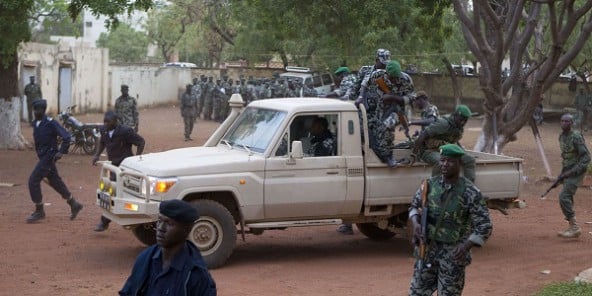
{"x":254,"y":129}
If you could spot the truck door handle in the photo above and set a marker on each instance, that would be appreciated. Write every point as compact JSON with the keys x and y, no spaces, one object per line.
{"x":332,"y":172}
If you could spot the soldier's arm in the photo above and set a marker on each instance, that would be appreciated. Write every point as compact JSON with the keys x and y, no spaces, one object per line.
{"x":479,"y":215}
{"x":583,"y":155}
{"x":415,"y":204}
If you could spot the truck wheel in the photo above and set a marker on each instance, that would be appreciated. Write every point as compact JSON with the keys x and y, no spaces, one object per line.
{"x":214,"y":233}
{"x":371,"y":231}
{"x":146,"y":233}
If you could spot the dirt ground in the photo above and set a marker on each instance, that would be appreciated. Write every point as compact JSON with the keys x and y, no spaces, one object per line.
{"x":63,"y":257}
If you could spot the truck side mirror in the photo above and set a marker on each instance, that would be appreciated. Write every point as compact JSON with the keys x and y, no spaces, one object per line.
{"x":296,"y":152}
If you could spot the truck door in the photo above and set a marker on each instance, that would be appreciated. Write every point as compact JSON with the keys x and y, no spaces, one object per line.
{"x":314,"y":186}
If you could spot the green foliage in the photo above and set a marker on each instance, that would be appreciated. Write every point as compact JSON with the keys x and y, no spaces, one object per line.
{"x":54,"y":20}
{"x":112,"y":8}
{"x":125,"y":44}
{"x":166,"y":26}
{"x":566,"y":289}
{"x":14,"y":28}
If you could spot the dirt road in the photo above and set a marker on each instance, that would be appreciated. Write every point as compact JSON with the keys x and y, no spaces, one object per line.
{"x":63,"y":257}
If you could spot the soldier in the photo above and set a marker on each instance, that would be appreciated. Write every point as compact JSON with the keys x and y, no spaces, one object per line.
{"x":45,"y":134}
{"x":457,"y":220}
{"x":429,"y":112}
{"x":344,"y":85}
{"x":196,"y":91}
{"x":208,"y":99}
{"x":188,"y":110}
{"x":322,"y":142}
{"x":33,"y":93}
{"x":308,"y":91}
{"x":291,"y":90}
{"x":383,"y":56}
{"x":202,"y":86}
{"x":576,"y":159}
{"x":218,"y":95}
{"x":118,"y":140}
{"x":126,"y":109}
{"x":383,"y":88}
{"x":446,"y":130}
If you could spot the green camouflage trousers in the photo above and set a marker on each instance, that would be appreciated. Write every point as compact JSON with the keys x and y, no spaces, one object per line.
{"x":433,"y":158}
{"x":440,"y":273}
{"x":570,"y":185}
{"x":188,"y":121}
{"x":381,"y":139}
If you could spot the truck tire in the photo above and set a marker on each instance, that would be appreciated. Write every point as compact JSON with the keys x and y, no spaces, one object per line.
{"x":371,"y":231}
{"x":214,"y":233}
{"x":146,"y":233}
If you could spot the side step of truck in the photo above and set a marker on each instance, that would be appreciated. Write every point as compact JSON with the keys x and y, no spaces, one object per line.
{"x":300,"y":223}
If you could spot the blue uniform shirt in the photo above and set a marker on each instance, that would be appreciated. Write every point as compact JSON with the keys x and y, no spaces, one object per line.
{"x":45,"y":133}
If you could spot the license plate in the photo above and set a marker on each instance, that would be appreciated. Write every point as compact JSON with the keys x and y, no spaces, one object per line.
{"x":104,"y":200}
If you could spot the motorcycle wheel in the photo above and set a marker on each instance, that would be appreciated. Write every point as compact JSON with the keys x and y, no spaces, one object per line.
{"x":90,"y":144}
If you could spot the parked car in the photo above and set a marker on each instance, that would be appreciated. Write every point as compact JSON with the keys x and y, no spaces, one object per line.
{"x":321,"y":81}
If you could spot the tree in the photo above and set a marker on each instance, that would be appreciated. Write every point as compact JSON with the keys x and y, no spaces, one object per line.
{"x":166,"y":26}
{"x":125,"y":44}
{"x":495,"y":30}
{"x":53,"y":19}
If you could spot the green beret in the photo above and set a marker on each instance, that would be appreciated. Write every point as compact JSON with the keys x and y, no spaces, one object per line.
{"x":178,"y":210}
{"x":393,"y":68}
{"x":463,"y":110}
{"x":451,"y":150}
{"x":41,"y":104}
{"x":342,"y":70}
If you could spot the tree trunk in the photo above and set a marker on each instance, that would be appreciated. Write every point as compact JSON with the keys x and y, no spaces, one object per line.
{"x":11,"y":136}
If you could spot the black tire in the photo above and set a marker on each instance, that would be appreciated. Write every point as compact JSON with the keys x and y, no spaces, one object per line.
{"x":146,"y":233}
{"x":214,"y":233}
{"x":90,"y":143}
{"x":371,"y":231}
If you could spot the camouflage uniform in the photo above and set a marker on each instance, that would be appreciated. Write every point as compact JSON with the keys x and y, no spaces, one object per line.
{"x":381,"y":132}
{"x":33,"y":93}
{"x":196,"y":90}
{"x":126,"y":109}
{"x":456,"y":213}
{"x":345,"y":91}
{"x":208,"y":98}
{"x":309,"y":92}
{"x":323,"y":145}
{"x":431,"y":111}
{"x":188,"y":111}
{"x":441,"y":132}
{"x":218,"y":95}
{"x":576,"y":159}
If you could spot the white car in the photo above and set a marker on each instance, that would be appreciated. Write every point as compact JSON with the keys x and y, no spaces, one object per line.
{"x":321,"y":82}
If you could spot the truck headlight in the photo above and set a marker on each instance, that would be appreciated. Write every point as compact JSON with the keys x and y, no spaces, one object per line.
{"x":158,"y":185}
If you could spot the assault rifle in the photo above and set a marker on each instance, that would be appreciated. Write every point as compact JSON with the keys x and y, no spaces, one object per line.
{"x":393,"y":108}
{"x":555,"y":184}
{"x":424,"y":226}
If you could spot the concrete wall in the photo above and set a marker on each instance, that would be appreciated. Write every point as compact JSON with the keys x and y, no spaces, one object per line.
{"x":89,"y":73}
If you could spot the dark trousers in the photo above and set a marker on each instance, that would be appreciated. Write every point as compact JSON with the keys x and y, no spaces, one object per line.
{"x":46,"y":168}
{"x":188,"y":121}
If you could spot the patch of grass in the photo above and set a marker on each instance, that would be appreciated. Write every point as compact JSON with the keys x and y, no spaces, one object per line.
{"x":566,"y":289}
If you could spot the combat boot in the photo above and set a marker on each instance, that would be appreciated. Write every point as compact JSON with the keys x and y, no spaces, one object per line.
{"x":572,"y":231}
{"x":39,"y":214}
{"x":75,"y":207}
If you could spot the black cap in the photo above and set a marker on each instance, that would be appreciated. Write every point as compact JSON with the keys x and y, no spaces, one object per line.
{"x":178,"y":210}
{"x":39,"y":104}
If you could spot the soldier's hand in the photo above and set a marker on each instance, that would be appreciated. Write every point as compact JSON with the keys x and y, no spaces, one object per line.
{"x":461,"y":250}
{"x":358,"y":102}
{"x":57,"y":156}
{"x":94,"y":160}
{"x":136,"y":128}
{"x":417,"y":236}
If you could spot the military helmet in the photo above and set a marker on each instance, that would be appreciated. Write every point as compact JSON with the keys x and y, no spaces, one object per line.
{"x":383,"y":55}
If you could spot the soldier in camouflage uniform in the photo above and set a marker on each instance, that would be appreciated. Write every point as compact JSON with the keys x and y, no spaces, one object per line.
{"x":33,"y":93}
{"x":322,"y":142}
{"x":384,"y":88}
{"x":576,"y":159}
{"x":308,"y":91}
{"x":218,"y":94}
{"x":291,"y":91}
{"x":126,"y":109}
{"x":208,"y":98}
{"x":196,"y":89}
{"x":188,"y":110}
{"x":446,"y":130}
{"x":429,"y":112}
{"x":344,"y":82}
{"x":383,"y":56}
{"x":457,"y":220}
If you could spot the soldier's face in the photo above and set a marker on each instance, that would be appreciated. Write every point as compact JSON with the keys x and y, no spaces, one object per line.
{"x":124,"y":90}
{"x":460,"y":120}
{"x":420,"y":103}
{"x":450,"y":166}
{"x":566,"y":122}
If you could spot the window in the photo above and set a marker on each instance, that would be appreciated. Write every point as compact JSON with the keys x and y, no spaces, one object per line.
{"x":327,"y":80}
{"x":88,"y":24}
{"x":317,"y":132}
{"x":254,"y":129}
{"x":316,"y":81}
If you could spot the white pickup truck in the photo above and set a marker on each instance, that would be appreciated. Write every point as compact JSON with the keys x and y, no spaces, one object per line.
{"x":247,"y":179}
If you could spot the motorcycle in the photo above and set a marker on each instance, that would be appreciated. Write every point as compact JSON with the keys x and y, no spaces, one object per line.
{"x":83,"y":136}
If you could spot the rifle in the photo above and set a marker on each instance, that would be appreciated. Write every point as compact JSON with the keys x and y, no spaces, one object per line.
{"x":424,"y":226}
{"x":555,"y":184}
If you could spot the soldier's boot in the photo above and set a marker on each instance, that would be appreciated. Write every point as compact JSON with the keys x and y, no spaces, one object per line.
{"x":39,"y":214}
{"x":103,"y":225}
{"x":392,"y":162}
{"x":75,"y":207}
{"x":572,"y":231}
{"x":345,"y":229}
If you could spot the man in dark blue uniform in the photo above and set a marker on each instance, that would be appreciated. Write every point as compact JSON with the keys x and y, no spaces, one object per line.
{"x":174,"y":265}
{"x":45,"y":133}
{"x":118,"y":139}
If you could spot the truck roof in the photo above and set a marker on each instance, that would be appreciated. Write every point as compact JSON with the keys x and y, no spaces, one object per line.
{"x":305,"y":104}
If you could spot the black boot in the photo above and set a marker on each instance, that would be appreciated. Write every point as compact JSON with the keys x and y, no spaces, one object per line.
{"x":392,"y":162}
{"x":75,"y":208}
{"x":103,"y":225}
{"x":39,"y":214}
